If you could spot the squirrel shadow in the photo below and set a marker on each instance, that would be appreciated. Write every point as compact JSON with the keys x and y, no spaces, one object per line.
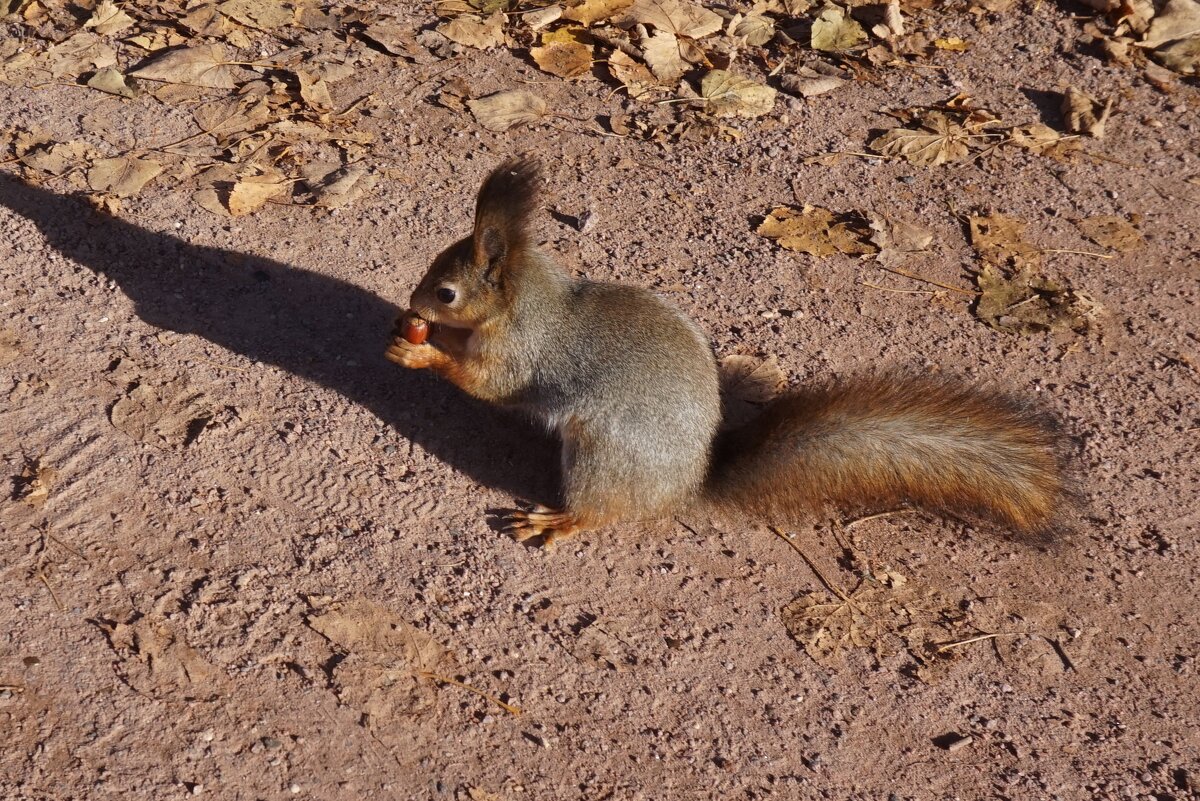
{"x":322,"y":329}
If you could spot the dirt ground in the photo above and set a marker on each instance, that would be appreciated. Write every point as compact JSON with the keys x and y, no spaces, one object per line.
{"x":246,"y":557}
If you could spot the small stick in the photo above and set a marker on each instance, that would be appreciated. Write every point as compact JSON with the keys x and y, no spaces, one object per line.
{"x":53,"y":594}
{"x":941,"y":649}
{"x":1078,"y":253}
{"x":829,"y":585}
{"x":916,"y":277}
{"x":877,"y":515}
{"x":16,"y":688}
{"x":509,"y":708}
{"x":902,"y":291}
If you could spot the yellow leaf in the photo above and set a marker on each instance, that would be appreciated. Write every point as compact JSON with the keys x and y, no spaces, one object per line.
{"x":730,"y":95}
{"x":952,"y":43}
{"x":251,"y":194}
{"x":473,"y":32}
{"x":564,"y":59}
{"x":834,"y":30}
{"x":589,"y":12}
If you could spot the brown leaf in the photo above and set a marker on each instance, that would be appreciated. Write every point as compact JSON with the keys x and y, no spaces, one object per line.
{"x":199,"y":65}
{"x":748,"y":383}
{"x":265,"y":15}
{"x":896,"y":239}
{"x":730,"y":95}
{"x":835,"y":31}
{"x":937,"y":141}
{"x":314,"y":91}
{"x":999,"y":238}
{"x":564,"y":59}
{"x":124,"y":176}
{"x":1111,"y":231}
{"x":335,"y":185}
{"x":1174,"y":36}
{"x":1044,"y":140}
{"x":633,"y":75}
{"x":810,"y":83}
{"x":504,"y":110}
{"x":108,"y":19}
{"x":817,"y":231}
{"x":1080,"y":112}
{"x":589,"y":12}
{"x":473,"y":32}
{"x":252,"y":193}
{"x":81,"y":53}
{"x":111,"y":81}
{"x":677,"y":16}
{"x":756,"y":29}
{"x":34,"y":484}
{"x":1028,"y":303}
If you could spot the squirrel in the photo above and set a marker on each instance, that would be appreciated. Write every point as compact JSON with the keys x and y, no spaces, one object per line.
{"x":639,"y":415}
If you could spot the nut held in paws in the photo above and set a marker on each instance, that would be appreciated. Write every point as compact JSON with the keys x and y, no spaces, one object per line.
{"x":414,"y":329}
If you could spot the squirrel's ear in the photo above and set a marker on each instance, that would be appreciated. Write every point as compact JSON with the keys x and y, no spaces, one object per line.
{"x":506,"y":201}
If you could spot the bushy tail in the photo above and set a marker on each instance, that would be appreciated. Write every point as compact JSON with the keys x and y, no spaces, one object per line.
{"x":878,"y":443}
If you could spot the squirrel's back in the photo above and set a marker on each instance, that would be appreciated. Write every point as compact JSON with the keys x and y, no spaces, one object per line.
{"x":894,"y":440}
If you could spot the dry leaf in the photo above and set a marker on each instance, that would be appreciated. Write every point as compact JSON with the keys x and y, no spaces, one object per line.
{"x":893,"y":22}
{"x":1044,"y":140}
{"x":1174,"y":36}
{"x":265,"y":15}
{"x":999,"y":238}
{"x":756,"y":29}
{"x":896,"y":239}
{"x":730,"y":95}
{"x":123,"y":177}
{"x":314,"y":91}
{"x":252,"y":193}
{"x":1029,"y":303}
{"x":34,"y":483}
{"x":112,"y":81}
{"x":396,"y":39}
{"x":504,"y":110}
{"x":589,"y":12}
{"x":938,"y":141}
{"x":953,"y":44}
{"x":748,"y":384}
{"x":536,"y":20}
{"x":633,"y":75}
{"x":108,"y":19}
{"x":200,"y":65}
{"x":677,"y":16}
{"x":55,"y":159}
{"x":834,"y":30}
{"x":81,"y":53}
{"x":817,"y":231}
{"x":474,"y":32}
{"x":564,"y":59}
{"x":1080,"y":112}
{"x":663,"y":56}
{"x":809,"y":83}
{"x":1111,"y":231}
{"x":335,"y":185}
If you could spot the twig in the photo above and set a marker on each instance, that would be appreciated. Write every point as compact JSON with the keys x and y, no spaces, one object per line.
{"x":877,"y":515}
{"x":1078,"y":253}
{"x":509,"y":708}
{"x":916,"y":277}
{"x":941,"y":649}
{"x":628,"y":48}
{"x":53,"y":594}
{"x":829,"y":585}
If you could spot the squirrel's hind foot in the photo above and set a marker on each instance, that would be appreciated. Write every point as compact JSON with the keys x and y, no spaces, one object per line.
{"x":551,"y":525}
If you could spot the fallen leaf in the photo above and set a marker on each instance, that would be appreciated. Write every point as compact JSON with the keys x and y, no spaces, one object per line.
{"x":589,"y":12}
{"x":199,"y":65}
{"x":677,"y":16}
{"x":252,"y":193}
{"x":123,"y":176}
{"x":897,"y":239}
{"x":1028,"y":303}
{"x":335,"y":185}
{"x":730,"y":95}
{"x":536,"y":20}
{"x":748,"y":384}
{"x":55,"y":159}
{"x":265,"y":15}
{"x":1044,"y":140}
{"x":231,"y":115}
{"x":34,"y":484}
{"x":756,"y":29}
{"x":893,"y":21}
{"x":953,"y":44}
{"x":663,"y":56}
{"x":817,"y":231}
{"x":81,"y":53}
{"x":473,"y":32}
{"x":564,"y":59}
{"x":998,"y":239}
{"x":108,"y":19}
{"x":1080,"y":112}
{"x":396,"y":39}
{"x":834,"y":31}
{"x":314,"y":91}
{"x":633,"y":75}
{"x":937,"y":141}
{"x":112,"y":81}
{"x":504,"y":110}
{"x":809,"y":83}
{"x":1111,"y":231}
{"x":1174,"y":36}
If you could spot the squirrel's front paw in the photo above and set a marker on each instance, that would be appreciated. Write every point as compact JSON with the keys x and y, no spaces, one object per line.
{"x":414,"y":357}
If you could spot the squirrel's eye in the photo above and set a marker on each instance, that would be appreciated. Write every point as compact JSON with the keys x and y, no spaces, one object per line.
{"x":446,"y":295}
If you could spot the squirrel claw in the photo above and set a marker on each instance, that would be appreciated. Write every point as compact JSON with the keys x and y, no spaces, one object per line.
{"x":549,"y":524}
{"x":406,"y":354}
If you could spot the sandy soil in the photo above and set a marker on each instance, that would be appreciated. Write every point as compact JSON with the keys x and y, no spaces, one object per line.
{"x":262,"y":548}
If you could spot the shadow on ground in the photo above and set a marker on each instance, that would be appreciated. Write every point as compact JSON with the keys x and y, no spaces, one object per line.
{"x":322,"y":329}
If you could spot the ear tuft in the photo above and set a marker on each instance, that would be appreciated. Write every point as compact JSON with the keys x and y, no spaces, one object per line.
{"x":506,"y":202}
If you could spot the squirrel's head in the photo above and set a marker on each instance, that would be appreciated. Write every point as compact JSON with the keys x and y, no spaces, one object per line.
{"x":469,"y":281}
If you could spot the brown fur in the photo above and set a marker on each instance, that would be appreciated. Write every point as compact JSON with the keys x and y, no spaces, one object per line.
{"x":638,"y":415}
